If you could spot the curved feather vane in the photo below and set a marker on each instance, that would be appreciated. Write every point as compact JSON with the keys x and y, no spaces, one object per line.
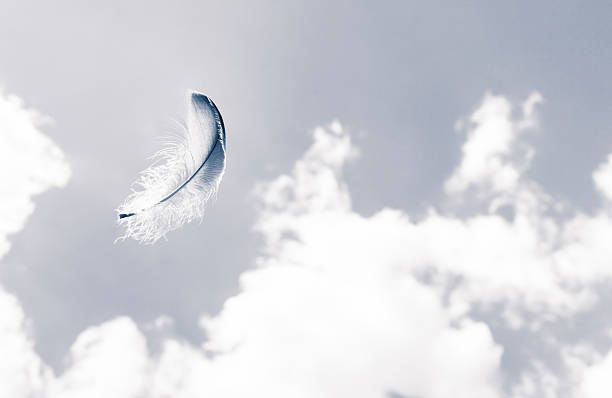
{"x":186,"y":175}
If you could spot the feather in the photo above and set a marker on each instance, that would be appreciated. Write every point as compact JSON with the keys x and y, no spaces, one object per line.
{"x":182,"y":180}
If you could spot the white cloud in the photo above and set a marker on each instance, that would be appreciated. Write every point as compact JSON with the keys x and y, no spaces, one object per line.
{"x":30,"y":163}
{"x":340,"y":294}
{"x":597,"y":379}
{"x":331,"y":310}
{"x":109,"y":360}
{"x":490,"y":157}
{"x":22,"y":373}
{"x":603,"y":178}
{"x":346,"y":305}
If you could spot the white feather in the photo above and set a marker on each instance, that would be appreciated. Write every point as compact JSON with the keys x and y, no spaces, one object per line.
{"x":184,"y":177}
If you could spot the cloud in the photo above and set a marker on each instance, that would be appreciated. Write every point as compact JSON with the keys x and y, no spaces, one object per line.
{"x":490,"y":157}
{"x":346,"y":305}
{"x":30,"y":163}
{"x":109,"y":360}
{"x":596,"y":381}
{"x":337,"y":295}
{"x":602,"y":177}
{"x":22,"y":373}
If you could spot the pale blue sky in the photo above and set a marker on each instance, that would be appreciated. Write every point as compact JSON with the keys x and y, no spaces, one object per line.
{"x":397,"y":74}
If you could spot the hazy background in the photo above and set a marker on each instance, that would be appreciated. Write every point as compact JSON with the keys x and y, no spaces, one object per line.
{"x":113,"y":74}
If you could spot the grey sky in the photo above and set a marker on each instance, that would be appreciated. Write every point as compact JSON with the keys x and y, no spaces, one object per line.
{"x":398,"y":75}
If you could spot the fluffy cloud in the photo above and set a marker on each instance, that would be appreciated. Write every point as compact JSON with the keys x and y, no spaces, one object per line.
{"x":22,"y":373}
{"x":30,"y":163}
{"x":597,"y":380}
{"x":332,"y":309}
{"x":109,"y":360}
{"x":346,"y":305}
{"x":603,"y":178}
{"x":490,"y":158}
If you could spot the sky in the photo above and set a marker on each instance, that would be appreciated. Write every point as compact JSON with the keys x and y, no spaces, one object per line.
{"x":417,"y":200}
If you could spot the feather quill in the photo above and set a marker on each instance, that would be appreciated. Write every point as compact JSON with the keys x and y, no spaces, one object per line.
{"x":185,"y":175}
